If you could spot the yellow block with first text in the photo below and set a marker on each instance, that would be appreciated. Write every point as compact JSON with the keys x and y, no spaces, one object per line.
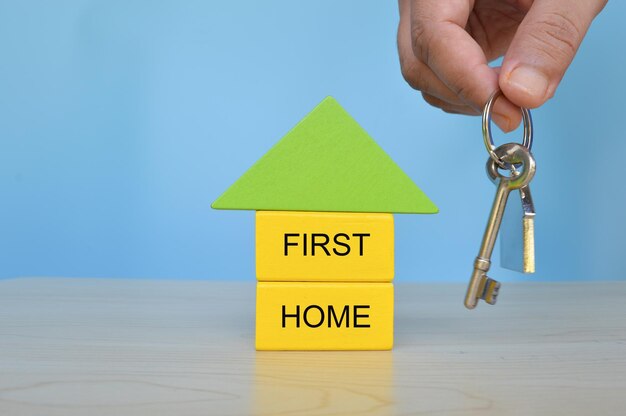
{"x":324,"y":246}
{"x":324,"y":316}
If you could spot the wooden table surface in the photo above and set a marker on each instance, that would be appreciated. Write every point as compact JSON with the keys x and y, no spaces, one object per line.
{"x":149,"y":347}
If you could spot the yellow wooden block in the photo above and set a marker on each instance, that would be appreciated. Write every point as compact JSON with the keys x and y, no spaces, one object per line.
{"x":324,"y":246}
{"x":324,"y":316}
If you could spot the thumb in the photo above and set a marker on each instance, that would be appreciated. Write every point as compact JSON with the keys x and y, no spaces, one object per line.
{"x":543,"y":48}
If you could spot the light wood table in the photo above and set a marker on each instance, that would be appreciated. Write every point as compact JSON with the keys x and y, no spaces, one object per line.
{"x":148,"y":347}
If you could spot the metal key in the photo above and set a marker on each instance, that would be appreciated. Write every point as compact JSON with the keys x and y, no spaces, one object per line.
{"x":480,"y":285}
{"x":517,"y":238}
{"x":528,"y":231}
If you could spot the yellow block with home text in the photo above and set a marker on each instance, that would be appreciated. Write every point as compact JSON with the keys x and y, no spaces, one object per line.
{"x":324,"y":316}
{"x":324,"y":246}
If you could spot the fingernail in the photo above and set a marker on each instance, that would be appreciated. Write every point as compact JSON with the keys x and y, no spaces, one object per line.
{"x":502,"y":121}
{"x":529,"y":80}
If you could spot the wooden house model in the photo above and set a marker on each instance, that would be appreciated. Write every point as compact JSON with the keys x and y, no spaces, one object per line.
{"x":324,"y":197}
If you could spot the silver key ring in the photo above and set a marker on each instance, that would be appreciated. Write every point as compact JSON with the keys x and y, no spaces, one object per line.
{"x":527,"y":140}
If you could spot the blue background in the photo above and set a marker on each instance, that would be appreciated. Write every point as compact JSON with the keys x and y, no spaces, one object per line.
{"x":120,"y":122}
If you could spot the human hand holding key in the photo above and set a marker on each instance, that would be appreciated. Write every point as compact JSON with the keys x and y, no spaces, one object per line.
{"x":445,"y":47}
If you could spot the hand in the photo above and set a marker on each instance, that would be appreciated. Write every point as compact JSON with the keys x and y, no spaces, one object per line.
{"x":445,"y":45}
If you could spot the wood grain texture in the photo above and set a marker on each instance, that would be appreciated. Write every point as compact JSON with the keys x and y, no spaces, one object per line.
{"x":137,"y":347}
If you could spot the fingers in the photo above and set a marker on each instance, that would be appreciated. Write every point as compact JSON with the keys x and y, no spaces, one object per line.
{"x":444,"y":61}
{"x":441,"y":43}
{"x":449,"y":107}
{"x":416,"y":74}
{"x":543,"y":48}
{"x":504,"y":123}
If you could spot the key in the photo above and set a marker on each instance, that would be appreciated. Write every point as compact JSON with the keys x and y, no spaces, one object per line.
{"x":517,"y":238}
{"x":481,"y":286}
{"x":528,"y":231}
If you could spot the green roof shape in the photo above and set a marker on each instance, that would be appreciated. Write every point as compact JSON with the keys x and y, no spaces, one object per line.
{"x":327,"y":162}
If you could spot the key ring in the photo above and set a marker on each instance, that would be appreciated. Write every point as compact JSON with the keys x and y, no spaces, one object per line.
{"x":527,"y":140}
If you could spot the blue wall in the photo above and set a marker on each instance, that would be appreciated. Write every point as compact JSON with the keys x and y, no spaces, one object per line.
{"x":121,"y":121}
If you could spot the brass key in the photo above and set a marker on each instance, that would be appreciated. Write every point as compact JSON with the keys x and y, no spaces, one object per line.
{"x":480,"y":285}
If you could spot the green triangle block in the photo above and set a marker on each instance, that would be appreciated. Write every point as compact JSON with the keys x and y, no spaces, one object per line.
{"x":327,"y":162}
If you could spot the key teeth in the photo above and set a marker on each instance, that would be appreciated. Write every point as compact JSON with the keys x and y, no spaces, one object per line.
{"x":490,"y":291}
